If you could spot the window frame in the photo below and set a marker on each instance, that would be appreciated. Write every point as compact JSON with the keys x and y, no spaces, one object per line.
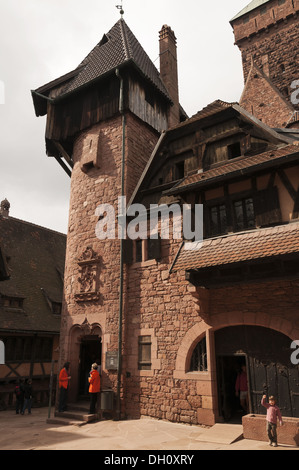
{"x":144,"y":343}
{"x":200,"y":350}
{"x":243,"y":200}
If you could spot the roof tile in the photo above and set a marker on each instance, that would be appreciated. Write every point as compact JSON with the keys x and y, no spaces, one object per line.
{"x":116,"y":48}
{"x":280,"y":240}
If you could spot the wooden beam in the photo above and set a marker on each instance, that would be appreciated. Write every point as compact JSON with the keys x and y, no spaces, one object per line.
{"x":296,"y":207}
{"x":63,"y":165}
{"x":63,"y":153}
{"x":288,"y":185}
{"x":271,"y":179}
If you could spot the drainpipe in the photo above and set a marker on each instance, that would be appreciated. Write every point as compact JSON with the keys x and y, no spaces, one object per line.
{"x":121,"y":280}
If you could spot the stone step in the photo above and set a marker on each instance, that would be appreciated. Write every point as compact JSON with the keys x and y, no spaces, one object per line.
{"x":65,"y":422}
{"x":76,"y":415}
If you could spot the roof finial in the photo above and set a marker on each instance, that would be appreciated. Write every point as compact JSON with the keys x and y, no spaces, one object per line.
{"x":120,"y":7}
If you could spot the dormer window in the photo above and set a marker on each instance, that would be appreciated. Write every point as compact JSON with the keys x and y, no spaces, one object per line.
{"x":234,"y":150}
{"x":12,"y":303}
{"x":56,"y":308}
{"x":179,"y":170}
{"x":103,"y":41}
{"x":263,"y":10}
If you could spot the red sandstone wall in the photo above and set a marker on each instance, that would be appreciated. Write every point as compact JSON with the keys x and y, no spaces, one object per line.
{"x":100,"y":184}
{"x":262,"y":100}
{"x":271,"y":39}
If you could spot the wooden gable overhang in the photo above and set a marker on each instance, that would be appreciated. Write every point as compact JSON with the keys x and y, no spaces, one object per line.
{"x":187,"y":150}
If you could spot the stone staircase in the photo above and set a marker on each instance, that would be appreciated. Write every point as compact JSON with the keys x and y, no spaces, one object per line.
{"x":77,"y":414}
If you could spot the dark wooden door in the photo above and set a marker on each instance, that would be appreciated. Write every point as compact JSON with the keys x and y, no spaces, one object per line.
{"x":270,"y":370}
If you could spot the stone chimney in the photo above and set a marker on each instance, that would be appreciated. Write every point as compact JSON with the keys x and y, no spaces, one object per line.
{"x":4,"y":208}
{"x":169,"y":71}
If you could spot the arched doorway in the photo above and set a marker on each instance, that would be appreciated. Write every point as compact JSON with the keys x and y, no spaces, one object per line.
{"x":266,"y":354}
{"x":90,"y":352}
{"x":85,"y":348}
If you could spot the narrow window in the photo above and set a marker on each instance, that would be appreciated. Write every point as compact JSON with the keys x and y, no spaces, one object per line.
{"x":153,"y":248}
{"x":144,"y":352}
{"x":282,"y":68}
{"x":138,"y":253}
{"x":218,"y":220}
{"x":244,"y":214}
{"x":179,"y":170}
{"x":56,"y":308}
{"x":199,"y":357}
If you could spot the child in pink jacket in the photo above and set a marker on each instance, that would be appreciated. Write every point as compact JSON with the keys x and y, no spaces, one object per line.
{"x":273,"y":413}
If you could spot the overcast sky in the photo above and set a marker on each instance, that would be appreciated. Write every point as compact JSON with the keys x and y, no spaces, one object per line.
{"x":41,"y":40}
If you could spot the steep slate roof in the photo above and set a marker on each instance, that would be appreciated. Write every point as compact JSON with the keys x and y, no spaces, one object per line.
{"x":35,"y":261}
{"x":117,"y":48}
{"x":251,"y":6}
{"x":251,"y":245}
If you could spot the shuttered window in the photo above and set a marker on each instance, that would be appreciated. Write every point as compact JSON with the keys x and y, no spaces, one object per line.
{"x":144,"y":352}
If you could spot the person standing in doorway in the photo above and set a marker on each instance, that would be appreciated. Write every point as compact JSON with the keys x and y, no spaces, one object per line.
{"x":94,"y":387}
{"x":64,"y":378}
{"x":241,"y":388}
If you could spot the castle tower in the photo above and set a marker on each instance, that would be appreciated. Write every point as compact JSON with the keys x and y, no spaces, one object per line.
{"x":267,"y":34}
{"x":103,"y":121}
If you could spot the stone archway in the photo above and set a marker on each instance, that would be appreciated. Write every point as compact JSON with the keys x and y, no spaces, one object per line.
{"x":267,"y":355}
{"x":207,"y":381}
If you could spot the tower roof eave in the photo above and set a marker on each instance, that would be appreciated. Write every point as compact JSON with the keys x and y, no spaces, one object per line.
{"x":250,"y":7}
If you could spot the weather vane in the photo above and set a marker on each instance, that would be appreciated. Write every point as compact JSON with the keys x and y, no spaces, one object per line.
{"x":120,"y":7}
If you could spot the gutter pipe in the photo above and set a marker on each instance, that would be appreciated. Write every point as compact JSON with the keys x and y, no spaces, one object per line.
{"x":121,"y":278}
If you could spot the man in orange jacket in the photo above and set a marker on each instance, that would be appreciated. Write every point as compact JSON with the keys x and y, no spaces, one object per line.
{"x":64,"y":378}
{"x":94,"y":387}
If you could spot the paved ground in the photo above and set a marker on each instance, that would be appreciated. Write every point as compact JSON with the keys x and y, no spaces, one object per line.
{"x":30,"y":432}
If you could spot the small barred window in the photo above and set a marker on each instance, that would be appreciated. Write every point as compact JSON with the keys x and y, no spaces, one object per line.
{"x":199,"y":357}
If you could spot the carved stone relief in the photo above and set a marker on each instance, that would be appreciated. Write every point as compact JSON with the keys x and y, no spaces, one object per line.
{"x":88,"y":276}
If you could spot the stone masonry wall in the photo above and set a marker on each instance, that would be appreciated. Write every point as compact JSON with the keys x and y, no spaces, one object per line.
{"x":177,"y":315}
{"x":270,"y":37}
{"x":161,"y":305}
{"x":89,"y":188}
